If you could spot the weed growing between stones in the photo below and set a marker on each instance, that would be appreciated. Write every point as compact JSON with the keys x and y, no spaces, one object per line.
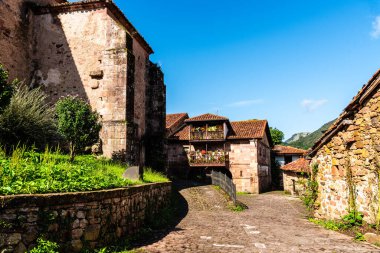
{"x":311,"y":192}
{"x":45,"y":246}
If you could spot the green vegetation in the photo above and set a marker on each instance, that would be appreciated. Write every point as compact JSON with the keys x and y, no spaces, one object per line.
{"x":309,"y":140}
{"x":27,"y":172}
{"x":77,"y":123}
{"x":311,"y":193}
{"x":151,"y":176}
{"x":277,"y":136}
{"x":6,"y":89}
{"x":27,"y":120}
{"x":238,"y":207}
{"x":349,"y":221}
{"x":242,"y":193}
{"x":44,"y":246}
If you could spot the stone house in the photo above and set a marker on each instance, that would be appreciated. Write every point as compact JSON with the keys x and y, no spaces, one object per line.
{"x":286,"y":154}
{"x":91,"y":50}
{"x":207,"y":142}
{"x":348,"y":155}
{"x":295,"y":175}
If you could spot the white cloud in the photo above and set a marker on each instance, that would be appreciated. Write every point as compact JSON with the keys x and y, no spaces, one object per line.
{"x":311,"y":105}
{"x":376,"y":28}
{"x":244,"y":103}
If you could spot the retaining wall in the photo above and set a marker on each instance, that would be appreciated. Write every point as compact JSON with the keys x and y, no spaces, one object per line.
{"x":78,"y":220}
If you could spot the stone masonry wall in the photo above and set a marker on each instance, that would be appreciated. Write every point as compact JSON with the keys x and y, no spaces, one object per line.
{"x":97,"y":74}
{"x":14,"y":37}
{"x":244,"y":166}
{"x":356,"y":147}
{"x":78,"y":220}
{"x":294,"y":183}
{"x":155,"y":119}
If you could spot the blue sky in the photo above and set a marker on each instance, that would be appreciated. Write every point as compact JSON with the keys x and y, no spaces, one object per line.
{"x":296,"y":63}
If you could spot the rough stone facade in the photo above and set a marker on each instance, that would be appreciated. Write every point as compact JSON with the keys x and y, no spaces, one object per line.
{"x":90,"y":50}
{"x":250,"y":165}
{"x":78,"y":220}
{"x":348,"y":158}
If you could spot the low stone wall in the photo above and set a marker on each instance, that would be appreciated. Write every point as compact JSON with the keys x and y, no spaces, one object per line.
{"x":78,"y":220}
{"x":294,"y":183}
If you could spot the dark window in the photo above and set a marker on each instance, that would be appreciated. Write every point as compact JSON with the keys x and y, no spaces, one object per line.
{"x":288,"y":159}
{"x":129,"y":42}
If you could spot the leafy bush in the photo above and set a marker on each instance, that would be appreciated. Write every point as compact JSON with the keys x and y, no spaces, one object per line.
{"x":6,"y":89}
{"x":353,"y":219}
{"x":27,"y":172}
{"x":77,"y":123}
{"x":27,"y":119}
{"x":44,"y":246}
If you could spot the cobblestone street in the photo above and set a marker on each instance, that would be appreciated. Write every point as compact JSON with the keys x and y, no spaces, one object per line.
{"x":273,"y":223}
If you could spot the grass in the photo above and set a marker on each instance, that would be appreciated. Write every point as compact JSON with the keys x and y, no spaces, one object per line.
{"x":29,"y":172}
{"x":243,"y":193}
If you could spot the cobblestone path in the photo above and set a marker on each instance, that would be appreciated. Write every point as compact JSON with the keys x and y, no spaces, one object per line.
{"x":273,"y":223}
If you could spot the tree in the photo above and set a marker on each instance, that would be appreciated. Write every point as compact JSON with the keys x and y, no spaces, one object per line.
{"x":277,"y":136}
{"x":6,"y":89}
{"x":77,"y":123}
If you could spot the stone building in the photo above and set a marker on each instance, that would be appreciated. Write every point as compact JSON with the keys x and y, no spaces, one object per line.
{"x":295,"y":175}
{"x":210,"y":142}
{"x":348,"y":155}
{"x":286,"y":154}
{"x":91,"y":50}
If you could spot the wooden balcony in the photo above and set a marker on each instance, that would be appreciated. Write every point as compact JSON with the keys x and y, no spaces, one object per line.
{"x":206,"y":135}
{"x":208,"y":159}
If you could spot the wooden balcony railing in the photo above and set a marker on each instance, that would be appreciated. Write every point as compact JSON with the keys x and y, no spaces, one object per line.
{"x":211,"y":158}
{"x":206,"y":135}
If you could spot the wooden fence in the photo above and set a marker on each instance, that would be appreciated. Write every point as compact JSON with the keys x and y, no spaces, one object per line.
{"x":225,"y":182}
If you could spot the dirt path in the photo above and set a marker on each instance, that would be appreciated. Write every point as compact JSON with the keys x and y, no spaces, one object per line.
{"x":273,"y":223}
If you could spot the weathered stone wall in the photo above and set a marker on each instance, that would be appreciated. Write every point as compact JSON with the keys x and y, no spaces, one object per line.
{"x":97,"y":74}
{"x":244,"y":165}
{"x":264,"y":165}
{"x":14,"y":36}
{"x":78,"y":220}
{"x":294,"y":183}
{"x":155,"y":119}
{"x":355,"y":148}
{"x":177,"y":161}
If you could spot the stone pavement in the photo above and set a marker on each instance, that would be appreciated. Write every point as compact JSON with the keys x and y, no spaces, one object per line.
{"x":273,"y":223}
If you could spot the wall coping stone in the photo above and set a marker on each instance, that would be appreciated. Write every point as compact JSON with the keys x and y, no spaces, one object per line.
{"x":43,"y":200}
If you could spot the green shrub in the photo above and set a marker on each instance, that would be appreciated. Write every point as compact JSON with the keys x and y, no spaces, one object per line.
{"x":44,"y":246}
{"x":6,"y":89}
{"x":27,"y":172}
{"x":353,"y":219}
{"x":27,"y":119}
{"x":77,"y":123}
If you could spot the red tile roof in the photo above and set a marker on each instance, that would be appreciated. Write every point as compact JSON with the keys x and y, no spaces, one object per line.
{"x":280,"y":149}
{"x":172,"y":119}
{"x":183,"y":134}
{"x":300,"y":165}
{"x":365,"y":93}
{"x":249,"y":129}
{"x":207,"y":117}
{"x":64,"y":6}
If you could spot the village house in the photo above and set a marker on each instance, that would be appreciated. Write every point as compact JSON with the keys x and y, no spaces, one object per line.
{"x":286,"y":154}
{"x":295,"y":176}
{"x":91,"y":50}
{"x":348,"y":156}
{"x":211,"y":142}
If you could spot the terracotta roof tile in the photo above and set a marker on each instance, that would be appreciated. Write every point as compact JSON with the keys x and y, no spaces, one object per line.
{"x":172,"y":119}
{"x":207,"y":117}
{"x":280,"y":149}
{"x":183,"y":134}
{"x":300,"y":165}
{"x":249,"y":129}
{"x":364,"y":93}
